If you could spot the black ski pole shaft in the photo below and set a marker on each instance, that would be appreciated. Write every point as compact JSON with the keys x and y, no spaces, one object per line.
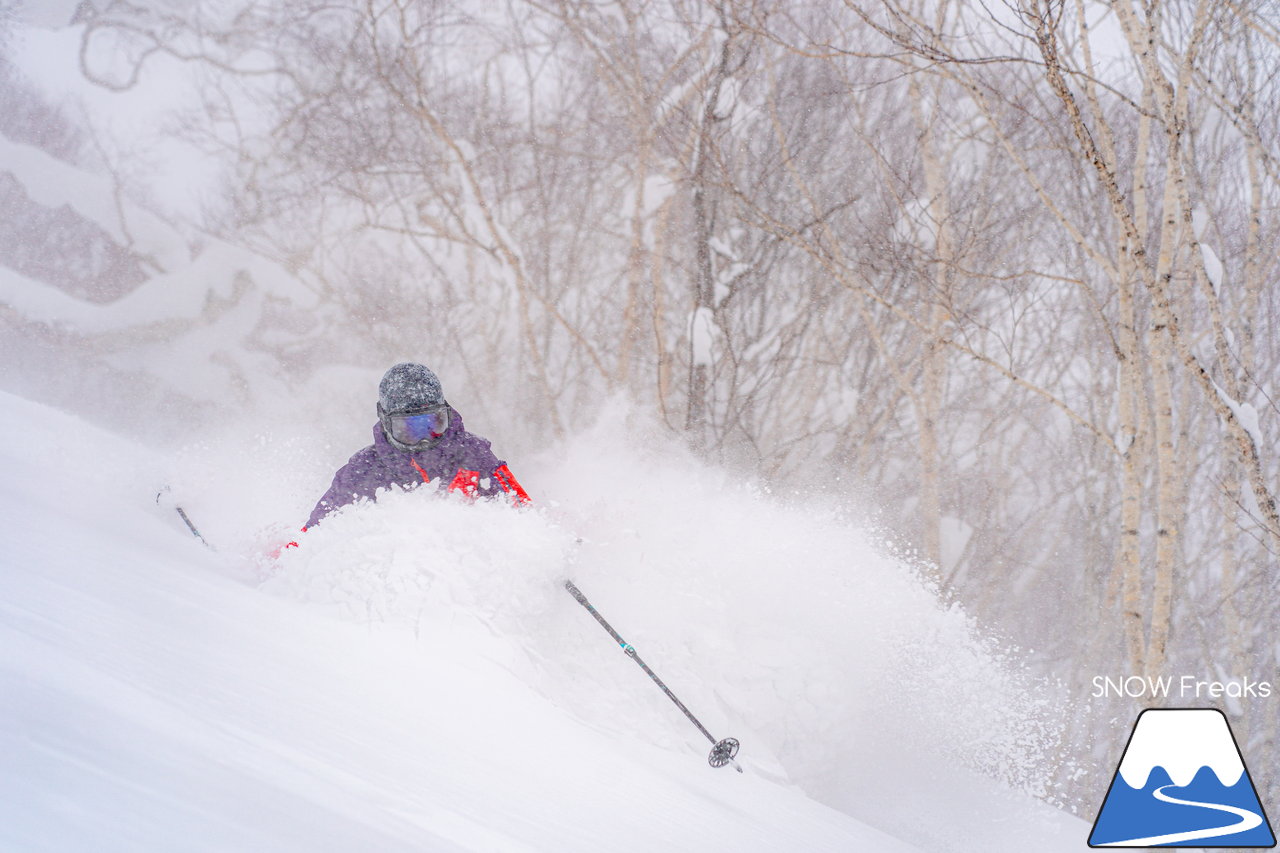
{"x":722,"y":751}
{"x":630,"y":651}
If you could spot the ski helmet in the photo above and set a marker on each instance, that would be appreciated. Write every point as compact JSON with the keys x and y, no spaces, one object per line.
{"x":411,"y":407}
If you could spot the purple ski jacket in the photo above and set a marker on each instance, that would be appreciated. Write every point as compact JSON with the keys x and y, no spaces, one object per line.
{"x":459,"y":458}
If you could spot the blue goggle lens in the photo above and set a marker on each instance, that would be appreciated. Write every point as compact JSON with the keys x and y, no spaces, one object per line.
{"x":411,"y":429}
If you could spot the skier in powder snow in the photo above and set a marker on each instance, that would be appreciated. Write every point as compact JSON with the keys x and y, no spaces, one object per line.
{"x":419,"y":438}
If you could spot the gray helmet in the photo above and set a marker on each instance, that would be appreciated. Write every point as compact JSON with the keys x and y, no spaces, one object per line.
{"x":412,"y":408}
{"x":409,"y":387}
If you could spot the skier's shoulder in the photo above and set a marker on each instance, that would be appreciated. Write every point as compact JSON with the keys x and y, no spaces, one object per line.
{"x":475,"y":450}
{"x":365,"y":457}
{"x":372,"y":457}
{"x":477,"y":442}
{"x":471,"y":450}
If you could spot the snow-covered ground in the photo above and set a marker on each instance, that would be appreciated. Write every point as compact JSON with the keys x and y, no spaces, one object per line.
{"x":414,"y":677}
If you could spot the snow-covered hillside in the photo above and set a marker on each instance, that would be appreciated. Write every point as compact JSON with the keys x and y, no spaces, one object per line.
{"x":415,"y":678}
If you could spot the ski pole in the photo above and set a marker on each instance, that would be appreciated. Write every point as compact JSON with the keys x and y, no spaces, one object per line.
{"x":190,"y":526}
{"x":185,"y":518}
{"x":722,"y":751}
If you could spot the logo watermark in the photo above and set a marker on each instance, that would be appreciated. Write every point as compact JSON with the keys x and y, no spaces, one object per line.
{"x":1185,"y":687}
{"x":1182,"y":782}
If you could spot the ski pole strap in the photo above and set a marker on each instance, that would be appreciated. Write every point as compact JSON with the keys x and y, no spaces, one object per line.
{"x":630,"y":651}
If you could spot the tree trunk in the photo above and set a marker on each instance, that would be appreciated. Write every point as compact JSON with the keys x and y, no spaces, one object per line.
{"x":697,"y":419}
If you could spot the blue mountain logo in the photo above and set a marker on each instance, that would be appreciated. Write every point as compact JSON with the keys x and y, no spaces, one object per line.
{"x":1182,"y":783}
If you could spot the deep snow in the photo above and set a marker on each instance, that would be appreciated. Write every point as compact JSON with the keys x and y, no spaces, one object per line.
{"x":415,"y":678}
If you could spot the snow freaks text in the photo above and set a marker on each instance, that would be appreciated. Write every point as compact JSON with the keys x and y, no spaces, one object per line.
{"x":1183,"y":687}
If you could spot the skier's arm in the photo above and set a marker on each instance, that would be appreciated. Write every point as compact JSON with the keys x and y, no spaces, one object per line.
{"x":357,"y":479}
{"x":502,"y":474}
{"x":499,"y":481}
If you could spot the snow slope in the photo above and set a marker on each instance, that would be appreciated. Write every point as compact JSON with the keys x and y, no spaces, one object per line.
{"x":413,"y":678}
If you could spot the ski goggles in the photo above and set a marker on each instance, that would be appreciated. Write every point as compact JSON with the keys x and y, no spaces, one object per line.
{"x":416,"y":428}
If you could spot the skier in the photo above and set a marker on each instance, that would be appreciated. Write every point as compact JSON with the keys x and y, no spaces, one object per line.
{"x":419,"y":438}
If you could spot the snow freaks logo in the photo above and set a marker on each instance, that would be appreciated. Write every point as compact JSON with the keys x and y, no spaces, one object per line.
{"x":1186,"y":687}
{"x":1182,"y":783}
